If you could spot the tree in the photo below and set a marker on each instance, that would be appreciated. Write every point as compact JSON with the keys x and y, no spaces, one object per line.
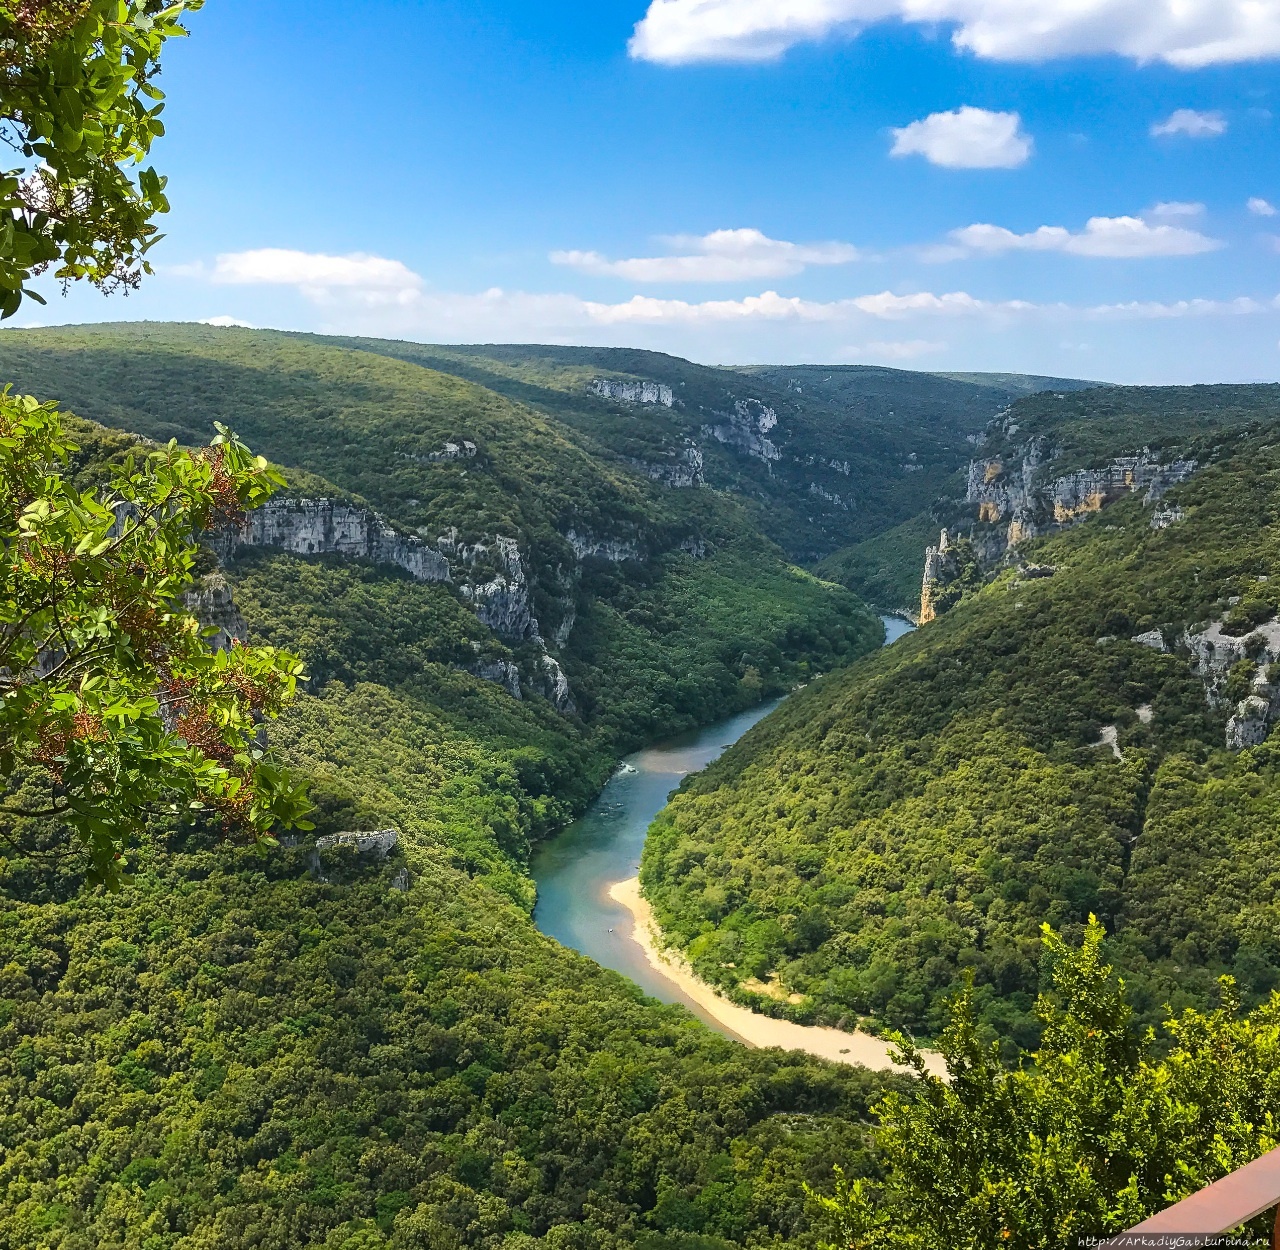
{"x":113,"y":707}
{"x":80,"y":104}
{"x":1085,"y":1137}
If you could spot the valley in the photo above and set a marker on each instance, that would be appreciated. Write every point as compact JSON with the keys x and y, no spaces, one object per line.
{"x":505,"y":570}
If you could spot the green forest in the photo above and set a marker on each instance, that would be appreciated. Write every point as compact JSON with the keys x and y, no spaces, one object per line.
{"x":282,"y":1047}
{"x":914,"y":819}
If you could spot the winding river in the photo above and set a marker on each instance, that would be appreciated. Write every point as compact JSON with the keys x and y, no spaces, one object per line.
{"x":586,"y":899}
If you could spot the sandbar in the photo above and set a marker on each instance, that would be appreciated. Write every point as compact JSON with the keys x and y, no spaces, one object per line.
{"x":753,"y":1028}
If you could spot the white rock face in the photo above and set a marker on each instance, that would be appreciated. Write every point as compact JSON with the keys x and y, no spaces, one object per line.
{"x":1014,"y":491}
{"x":379,"y":843}
{"x":555,"y":685}
{"x":1214,"y":654}
{"x":628,"y":392}
{"x":323,"y":526}
{"x":212,"y":605}
{"x":1250,"y":724}
{"x":504,"y":673}
{"x":1152,"y":638}
{"x":1162,"y":518}
{"x":745,"y":428}
{"x":682,"y":471}
{"x":615,"y":550}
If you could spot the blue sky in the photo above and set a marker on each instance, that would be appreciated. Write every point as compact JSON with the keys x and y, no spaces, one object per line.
{"x":735,"y":180}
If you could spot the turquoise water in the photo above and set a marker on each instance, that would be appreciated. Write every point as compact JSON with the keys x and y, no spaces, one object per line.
{"x":575,"y":869}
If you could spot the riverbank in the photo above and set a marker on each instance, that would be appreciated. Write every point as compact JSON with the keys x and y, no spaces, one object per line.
{"x":750,"y":1026}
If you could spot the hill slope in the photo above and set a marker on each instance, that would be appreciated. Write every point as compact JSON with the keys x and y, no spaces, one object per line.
{"x":323,"y":1047}
{"x":1056,"y":744}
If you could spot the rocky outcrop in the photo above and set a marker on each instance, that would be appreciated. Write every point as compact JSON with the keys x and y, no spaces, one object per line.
{"x":1162,"y":518}
{"x":1017,"y":491}
{"x":462,"y":449}
{"x":626,"y":391}
{"x":615,"y":550}
{"x":376,"y":845}
{"x":502,"y":603}
{"x":935,"y":567}
{"x":379,"y":843}
{"x":745,"y":430}
{"x":829,"y":495}
{"x":327,"y":527}
{"x":505,"y":673}
{"x":1214,"y":655}
{"x":680,"y":471}
{"x":554,"y":685}
{"x":212,"y":604}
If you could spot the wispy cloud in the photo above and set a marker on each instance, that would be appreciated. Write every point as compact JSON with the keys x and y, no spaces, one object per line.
{"x":1260,"y":207}
{"x":966,"y":138}
{"x":721,"y":256}
{"x":1191,"y":124}
{"x":911,"y":349}
{"x":1121,"y":238}
{"x":679,"y":32}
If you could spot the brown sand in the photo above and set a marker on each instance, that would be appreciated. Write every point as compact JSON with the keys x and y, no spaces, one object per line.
{"x":753,"y":1028}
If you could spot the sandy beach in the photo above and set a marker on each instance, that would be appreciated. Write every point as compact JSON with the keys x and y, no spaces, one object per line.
{"x":752,"y":1028}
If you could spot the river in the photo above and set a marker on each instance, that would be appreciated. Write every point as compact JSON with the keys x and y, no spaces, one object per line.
{"x":576,"y":869}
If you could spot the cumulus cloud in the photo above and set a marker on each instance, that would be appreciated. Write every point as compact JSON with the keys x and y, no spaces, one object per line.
{"x":370,"y":279}
{"x":1189,"y":35}
{"x":1261,"y":208}
{"x":225,"y":322}
{"x":966,"y":138}
{"x":721,"y":256}
{"x":1190,"y":123}
{"x":1121,"y":238}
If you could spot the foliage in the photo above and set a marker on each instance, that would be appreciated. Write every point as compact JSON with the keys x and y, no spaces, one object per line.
{"x":1086,"y":1137}
{"x":921,"y":813}
{"x":661,"y":642}
{"x":80,"y":103}
{"x":885,"y":570}
{"x":112,"y":703}
{"x":235,"y":1053}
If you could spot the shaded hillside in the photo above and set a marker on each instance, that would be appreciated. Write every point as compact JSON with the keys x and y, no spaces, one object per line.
{"x":825,"y":456}
{"x":1050,"y":458}
{"x":1055,"y":745}
{"x":664,"y":606}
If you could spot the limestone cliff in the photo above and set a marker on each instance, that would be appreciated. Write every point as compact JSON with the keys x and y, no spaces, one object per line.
{"x":628,"y":391}
{"x":212,"y":604}
{"x":745,"y":430}
{"x":1020,"y":494}
{"x":678,"y":470}
{"x":325,"y":526}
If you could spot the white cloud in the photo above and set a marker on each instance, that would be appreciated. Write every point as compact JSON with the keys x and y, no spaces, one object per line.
{"x":225,"y":322}
{"x":1186,"y":33}
{"x":721,"y":256}
{"x":370,"y":279}
{"x":1126,"y":238}
{"x":966,"y":138}
{"x":1261,"y":208}
{"x":1176,"y":209}
{"x":1192,"y":124}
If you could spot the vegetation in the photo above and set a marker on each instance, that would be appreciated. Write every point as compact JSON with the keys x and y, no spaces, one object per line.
{"x":111,"y":703}
{"x":1087,"y":1137}
{"x":707,"y":618}
{"x":238,"y":1053}
{"x":80,"y":105}
{"x":914,"y":819}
